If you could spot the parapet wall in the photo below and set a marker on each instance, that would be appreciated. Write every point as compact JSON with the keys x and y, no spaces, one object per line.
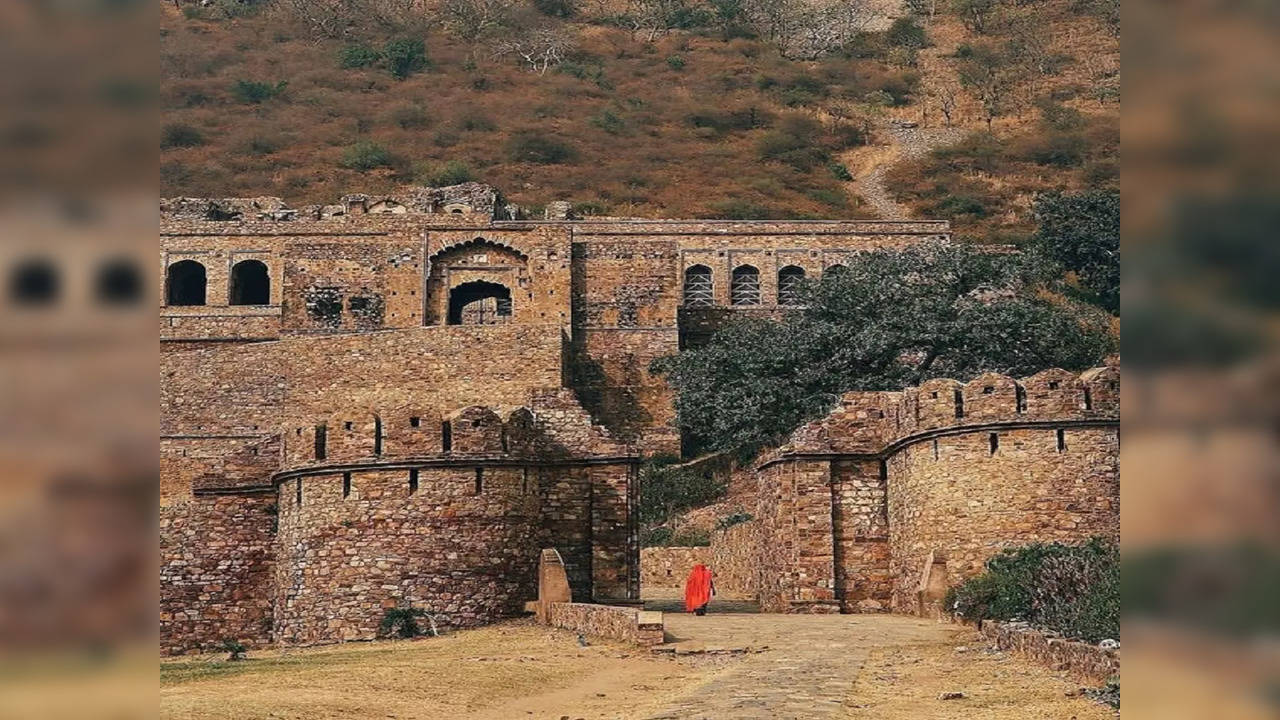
{"x":860,"y":507}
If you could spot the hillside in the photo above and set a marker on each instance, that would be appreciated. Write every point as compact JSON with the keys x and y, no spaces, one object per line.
{"x":701,"y":117}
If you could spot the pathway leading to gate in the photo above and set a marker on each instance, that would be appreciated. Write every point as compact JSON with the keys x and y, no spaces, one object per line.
{"x":796,"y":666}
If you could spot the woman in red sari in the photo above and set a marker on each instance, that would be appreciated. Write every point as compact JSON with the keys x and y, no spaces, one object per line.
{"x":698,"y":590}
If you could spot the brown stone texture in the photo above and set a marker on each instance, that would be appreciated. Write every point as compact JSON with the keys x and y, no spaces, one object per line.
{"x":1082,"y":661}
{"x":668,"y":567}
{"x":733,"y":560}
{"x":627,"y":624}
{"x":855,"y":509}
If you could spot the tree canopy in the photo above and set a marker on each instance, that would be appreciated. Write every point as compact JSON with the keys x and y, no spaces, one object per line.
{"x":1081,"y":233}
{"x":893,"y":319}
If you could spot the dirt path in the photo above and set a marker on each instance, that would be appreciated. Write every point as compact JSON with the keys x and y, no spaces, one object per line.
{"x":869,"y":165}
{"x":850,"y":667}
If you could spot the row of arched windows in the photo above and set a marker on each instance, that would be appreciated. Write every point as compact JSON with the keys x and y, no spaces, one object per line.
{"x":744,"y":285}
{"x":39,"y":282}
{"x":186,"y":281}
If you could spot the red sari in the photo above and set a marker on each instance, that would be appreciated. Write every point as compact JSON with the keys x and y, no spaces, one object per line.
{"x":697,"y":589}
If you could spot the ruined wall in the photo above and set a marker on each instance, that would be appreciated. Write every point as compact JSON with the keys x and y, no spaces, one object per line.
{"x":667,"y":568}
{"x":734,"y":553}
{"x":467,"y":557}
{"x":860,"y":520}
{"x":797,"y":559}
{"x":216,"y":572}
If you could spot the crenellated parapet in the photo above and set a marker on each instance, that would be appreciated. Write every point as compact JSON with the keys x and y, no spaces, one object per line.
{"x":875,"y":422}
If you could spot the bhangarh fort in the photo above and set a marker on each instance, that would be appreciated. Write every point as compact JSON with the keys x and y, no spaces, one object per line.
{"x":400,"y":401}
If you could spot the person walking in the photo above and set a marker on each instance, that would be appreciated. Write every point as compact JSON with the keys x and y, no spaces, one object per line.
{"x":698,"y":590}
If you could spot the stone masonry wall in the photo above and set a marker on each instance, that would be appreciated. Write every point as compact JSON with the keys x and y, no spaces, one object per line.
{"x":216,"y":572}
{"x":627,"y":624}
{"x":734,"y":553}
{"x":668,"y":567}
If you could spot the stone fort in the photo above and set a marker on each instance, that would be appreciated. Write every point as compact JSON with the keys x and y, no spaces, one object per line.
{"x":398,"y":401}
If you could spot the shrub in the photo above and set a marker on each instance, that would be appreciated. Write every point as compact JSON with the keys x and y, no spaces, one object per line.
{"x":656,"y":537}
{"x":840,"y":172}
{"x":260,"y":145}
{"x":401,"y":623}
{"x":795,"y":142}
{"x":179,"y":135}
{"x":675,"y":62}
{"x":235,"y":648}
{"x":906,"y":33}
{"x":1058,"y":149}
{"x":557,"y":8}
{"x":252,"y":92}
{"x":405,"y":56}
{"x":691,"y":537}
{"x":736,"y":518}
{"x":537,"y":148}
{"x":475,"y":120}
{"x":410,"y":117}
{"x":667,"y":490}
{"x":358,"y":55}
{"x":608,"y":121}
{"x":454,"y":172}
{"x":366,"y":155}
{"x":1071,"y":589}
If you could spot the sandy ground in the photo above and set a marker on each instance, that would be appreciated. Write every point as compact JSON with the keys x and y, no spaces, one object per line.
{"x":520,"y":670}
{"x":905,"y":683}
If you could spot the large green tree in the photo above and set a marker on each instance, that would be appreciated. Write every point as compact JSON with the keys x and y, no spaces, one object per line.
{"x":1081,"y":233}
{"x":893,"y":319}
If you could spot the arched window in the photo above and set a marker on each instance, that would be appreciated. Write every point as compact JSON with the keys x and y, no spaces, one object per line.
{"x":118,"y":283}
{"x":834,"y":271}
{"x":480,"y":303}
{"x":744,"y":286}
{"x":34,"y":282}
{"x":698,"y":287}
{"x":184,"y":283}
{"x":250,"y":283}
{"x":790,"y":278}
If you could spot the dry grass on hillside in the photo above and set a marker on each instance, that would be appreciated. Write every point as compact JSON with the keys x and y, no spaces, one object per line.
{"x":684,"y":126}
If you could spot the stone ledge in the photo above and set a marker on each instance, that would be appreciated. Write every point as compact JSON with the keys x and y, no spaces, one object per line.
{"x":1081,"y":660}
{"x":631,"y":625}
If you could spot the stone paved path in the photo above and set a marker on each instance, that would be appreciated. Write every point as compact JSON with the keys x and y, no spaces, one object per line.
{"x":798,"y":666}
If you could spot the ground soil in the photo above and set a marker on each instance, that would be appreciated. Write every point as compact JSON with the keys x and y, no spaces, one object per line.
{"x":864,"y":667}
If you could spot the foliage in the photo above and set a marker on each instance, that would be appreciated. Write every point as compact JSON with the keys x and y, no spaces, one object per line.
{"x":667,"y":489}
{"x":1081,"y":233}
{"x":405,"y":56}
{"x":975,"y":14}
{"x":736,"y":518}
{"x":893,"y":319}
{"x":905,"y":32}
{"x":235,"y":648}
{"x":454,"y":172}
{"x":534,"y":147}
{"x":840,"y":171}
{"x":990,"y":73}
{"x":358,"y":55}
{"x":177,"y":135}
{"x":253,"y":92}
{"x":664,"y":536}
{"x":401,"y":622}
{"x":557,"y":8}
{"x":366,"y":155}
{"x":1071,"y":589}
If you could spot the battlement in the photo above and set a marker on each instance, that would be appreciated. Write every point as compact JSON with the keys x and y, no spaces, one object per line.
{"x":871,"y":423}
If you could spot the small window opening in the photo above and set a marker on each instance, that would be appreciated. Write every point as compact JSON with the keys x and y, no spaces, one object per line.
{"x":347,"y":425}
{"x":994,"y":440}
{"x":1053,"y":384}
{"x":250,"y":283}
{"x":119,"y":283}
{"x":413,"y":481}
{"x":744,"y":286}
{"x":503,"y":439}
{"x":377,"y":436}
{"x":959,"y":404}
{"x":475,"y":423}
{"x":298,"y":494}
{"x":446,"y":436}
{"x":1088,"y":399}
{"x":524,"y":482}
{"x":346,"y":485}
{"x":479,"y":481}
{"x":415,"y":421}
{"x":935,"y":449}
{"x":1113,"y":384}
{"x":185,"y":283}
{"x":989,"y":389}
{"x":1020,"y":395}
{"x":1062,"y":440}
{"x":884,"y":471}
{"x":698,"y":287}
{"x":321,"y":436}
{"x":933,"y":395}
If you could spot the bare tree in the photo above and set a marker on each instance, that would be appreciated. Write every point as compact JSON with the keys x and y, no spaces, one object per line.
{"x":654,"y":18}
{"x":991,"y":76}
{"x":541,"y":48}
{"x":472,"y":19}
{"x":945,"y":92}
{"x":324,"y":18}
{"x":809,"y":29}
